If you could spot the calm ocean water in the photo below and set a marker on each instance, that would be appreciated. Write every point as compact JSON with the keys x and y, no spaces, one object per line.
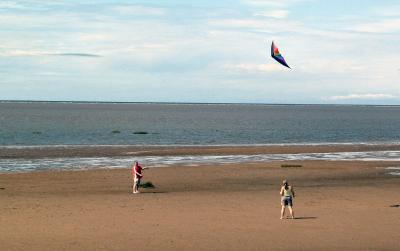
{"x":194,"y":124}
{"x":38,"y":124}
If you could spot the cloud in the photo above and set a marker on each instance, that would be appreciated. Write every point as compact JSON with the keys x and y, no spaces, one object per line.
{"x":251,"y":67}
{"x":274,"y":13}
{"x":32,"y":53}
{"x":32,"y":5}
{"x":95,"y":37}
{"x":263,"y":2}
{"x":138,"y":10}
{"x":73,"y":54}
{"x":369,"y":96}
{"x":383,"y":26}
{"x":387,"y":11}
{"x":10,"y":5}
{"x":270,"y":26}
{"x":272,"y":3}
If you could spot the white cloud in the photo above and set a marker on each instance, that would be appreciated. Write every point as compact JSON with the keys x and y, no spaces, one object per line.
{"x":95,"y":37}
{"x":33,"y":53}
{"x":10,"y":5}
{"x":273,"y":3}
{"x":138,"y":10}
{"x":387,"y":11}
{"x":265,"y":2}
{"x":17,"y":53}
{"x":368,"y":96}
{"x":32,"y":5}
{"x":270,"y":26}
{"x":274,"y":13}
{"x":251,"y":67}
{"x":383,"y":26}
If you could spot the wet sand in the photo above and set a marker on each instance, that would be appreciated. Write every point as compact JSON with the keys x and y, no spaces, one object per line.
{"x":340,"y":205}
{"x":112,"y":151}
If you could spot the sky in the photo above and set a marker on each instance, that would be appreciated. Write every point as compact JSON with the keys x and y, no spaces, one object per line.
{"x":340,"y":52}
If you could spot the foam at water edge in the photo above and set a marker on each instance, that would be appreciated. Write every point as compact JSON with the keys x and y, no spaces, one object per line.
{"x":74,"y":163}
{"x":392,"y":168}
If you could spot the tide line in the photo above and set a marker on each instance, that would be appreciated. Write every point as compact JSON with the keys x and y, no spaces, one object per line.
{"x":79,"y":163}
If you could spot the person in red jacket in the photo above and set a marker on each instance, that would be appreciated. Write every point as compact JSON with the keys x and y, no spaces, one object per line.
{"x":137,"y":176}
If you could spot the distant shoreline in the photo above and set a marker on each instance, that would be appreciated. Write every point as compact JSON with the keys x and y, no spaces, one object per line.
{"x":185,"y":103}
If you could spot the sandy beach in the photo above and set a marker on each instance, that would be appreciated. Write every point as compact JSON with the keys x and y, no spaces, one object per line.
{"x":219,"y":102}
{"x":340,"y":205}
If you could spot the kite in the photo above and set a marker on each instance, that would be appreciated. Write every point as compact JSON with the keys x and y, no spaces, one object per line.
{"x":277,"y":56}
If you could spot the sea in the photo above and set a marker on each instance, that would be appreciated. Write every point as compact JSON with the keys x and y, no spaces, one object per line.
{"x":37,"y":124}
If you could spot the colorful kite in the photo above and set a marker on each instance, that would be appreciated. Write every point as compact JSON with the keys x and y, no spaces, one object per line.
{"x":277,"y":56}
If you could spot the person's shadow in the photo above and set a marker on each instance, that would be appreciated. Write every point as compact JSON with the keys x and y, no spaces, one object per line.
{"x":305,"y":218}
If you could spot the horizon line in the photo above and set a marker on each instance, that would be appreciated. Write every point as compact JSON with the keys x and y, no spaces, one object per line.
{"x":182,"y":102}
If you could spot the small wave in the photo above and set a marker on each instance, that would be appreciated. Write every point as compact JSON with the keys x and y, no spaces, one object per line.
{"x":79,"y":163}
{"x":395,"y":170}
{"x":392,"y":168}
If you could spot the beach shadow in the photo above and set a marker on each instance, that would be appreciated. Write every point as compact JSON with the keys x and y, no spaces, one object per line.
{"x":305,"y":218}
{"x":151,"y":192}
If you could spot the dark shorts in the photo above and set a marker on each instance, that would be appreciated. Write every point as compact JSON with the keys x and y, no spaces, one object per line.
{"x":136,"y":182}
{"x":287,"y":201}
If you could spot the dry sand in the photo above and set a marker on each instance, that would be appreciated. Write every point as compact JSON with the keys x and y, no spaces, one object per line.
{"x":339,"y":206}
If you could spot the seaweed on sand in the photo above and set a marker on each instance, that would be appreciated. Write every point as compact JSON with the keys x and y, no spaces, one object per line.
{"x":290,"y":165}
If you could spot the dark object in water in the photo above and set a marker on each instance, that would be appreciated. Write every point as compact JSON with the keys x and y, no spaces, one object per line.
{"x":140,"y":132}
{"x":397,"y":205}
{"x":116,"y":131}
{"x":36,"y":132}
{"x":2,"y":188}
{"x":147,"y":185}
{"x":288,"y":165}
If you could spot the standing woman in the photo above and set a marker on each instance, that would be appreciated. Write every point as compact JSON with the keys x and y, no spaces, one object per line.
{"x":137,"y":175}
{"x":287,"y":194}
